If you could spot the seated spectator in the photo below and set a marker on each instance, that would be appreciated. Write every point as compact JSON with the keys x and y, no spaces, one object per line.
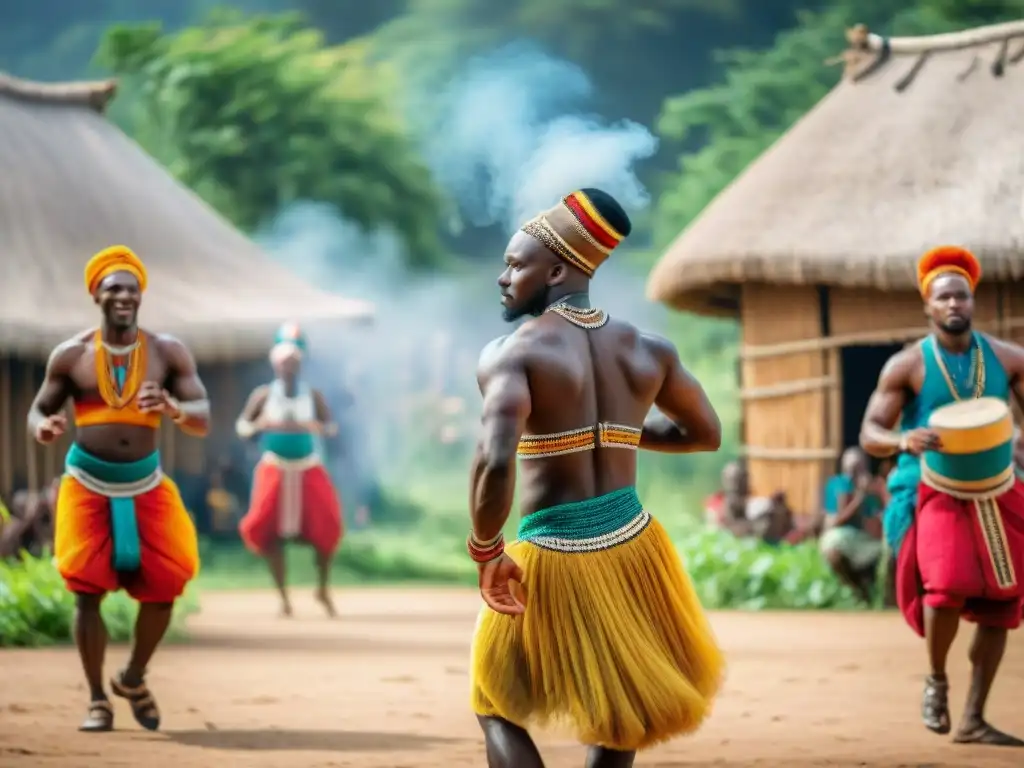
{"x":734,"y":509}
{"x":224,"y":507}
{"x":852,"y":542}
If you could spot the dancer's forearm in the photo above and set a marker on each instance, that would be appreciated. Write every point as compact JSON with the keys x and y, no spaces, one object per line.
{"x":493,"y":488}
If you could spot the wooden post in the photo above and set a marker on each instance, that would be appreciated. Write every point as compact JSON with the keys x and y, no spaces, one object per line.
{"x":8,"y":414}
{"x":835,"y":412}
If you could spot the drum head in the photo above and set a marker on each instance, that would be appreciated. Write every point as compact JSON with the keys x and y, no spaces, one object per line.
{"x":969,"y":413}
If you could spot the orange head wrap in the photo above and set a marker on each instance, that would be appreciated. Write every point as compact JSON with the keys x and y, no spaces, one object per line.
{"x":116,"y":258}
{"x":944,"y":260}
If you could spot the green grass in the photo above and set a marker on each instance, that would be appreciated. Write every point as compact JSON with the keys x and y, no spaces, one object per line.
{"x":727,"y":572}
{"x":36,"y":608}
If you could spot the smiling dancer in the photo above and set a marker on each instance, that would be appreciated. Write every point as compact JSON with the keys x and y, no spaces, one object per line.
{"x":960,"y":545}
{"x":120,"y":522}
{"x":605,"y":632}
{"x":293,"y":497}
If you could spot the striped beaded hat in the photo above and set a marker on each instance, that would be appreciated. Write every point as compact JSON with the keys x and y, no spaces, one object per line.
{"x":578,"y":229}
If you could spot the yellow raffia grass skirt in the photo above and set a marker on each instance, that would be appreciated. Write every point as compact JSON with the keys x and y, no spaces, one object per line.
{"x":614,"y":644}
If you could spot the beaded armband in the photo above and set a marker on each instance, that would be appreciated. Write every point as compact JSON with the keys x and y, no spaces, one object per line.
{"x":485,"y":551}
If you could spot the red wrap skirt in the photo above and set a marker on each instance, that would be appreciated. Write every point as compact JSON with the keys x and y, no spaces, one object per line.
{"x":964,"y":554}
{"x":292,"y":500}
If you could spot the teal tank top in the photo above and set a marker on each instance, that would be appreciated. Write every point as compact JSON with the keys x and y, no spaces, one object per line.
{"x":935,"y":393}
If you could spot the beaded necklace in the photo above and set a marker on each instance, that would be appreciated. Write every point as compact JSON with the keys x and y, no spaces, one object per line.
{"x":587,"y":318}
{"x":119,"y":370}
{"x":975,"y":370}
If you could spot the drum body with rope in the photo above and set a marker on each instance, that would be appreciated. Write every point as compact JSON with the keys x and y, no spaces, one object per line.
{"x":976,"y":457}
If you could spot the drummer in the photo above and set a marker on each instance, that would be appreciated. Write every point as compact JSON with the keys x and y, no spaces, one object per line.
{"x":958,"y":556}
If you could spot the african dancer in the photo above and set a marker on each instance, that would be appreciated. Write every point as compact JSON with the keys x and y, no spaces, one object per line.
{"x":293,"y":496}
{"x":947,"y":567}
{"x":589,"y":618}
{"x":120,"y":522}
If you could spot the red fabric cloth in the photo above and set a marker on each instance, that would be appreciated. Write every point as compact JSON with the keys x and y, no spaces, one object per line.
{"x":945,"y":562}
{"x":322,"y":525}
{"x":714,"y":508}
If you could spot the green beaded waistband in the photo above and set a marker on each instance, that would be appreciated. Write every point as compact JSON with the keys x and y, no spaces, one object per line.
{"x":589,"y":525}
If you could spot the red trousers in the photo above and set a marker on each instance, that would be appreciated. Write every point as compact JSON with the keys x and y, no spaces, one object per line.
{"x":316,"y":516}
{"x":964,"y":554}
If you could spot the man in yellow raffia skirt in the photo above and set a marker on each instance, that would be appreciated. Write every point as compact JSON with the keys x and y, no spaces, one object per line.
{"x":590,"y":620}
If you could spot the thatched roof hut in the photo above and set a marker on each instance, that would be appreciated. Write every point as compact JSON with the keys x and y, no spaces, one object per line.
{"x":71,"y":183}
{"x":813,"y":247}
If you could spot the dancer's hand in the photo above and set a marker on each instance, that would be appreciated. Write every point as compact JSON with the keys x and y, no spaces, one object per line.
{"x":154,"y":398}
{"x":917,"y":441}
{"x":496,"y":586}
{"x":51,"y":428}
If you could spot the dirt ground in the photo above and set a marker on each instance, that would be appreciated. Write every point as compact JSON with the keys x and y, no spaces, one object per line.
{"x":385,"y":686}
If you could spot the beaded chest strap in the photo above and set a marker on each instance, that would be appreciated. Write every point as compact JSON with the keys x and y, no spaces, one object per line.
{"x":604,"y":435}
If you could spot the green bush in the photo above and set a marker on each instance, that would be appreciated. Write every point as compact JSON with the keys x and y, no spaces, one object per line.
{"x":728,"y":573}
{"x":36,"y":608}
{"x":366,"y":557}
{"x":747,"y":574}
{"x":389,"y":508}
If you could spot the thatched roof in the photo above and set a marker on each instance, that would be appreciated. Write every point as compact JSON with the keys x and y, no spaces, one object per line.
{"x":71,"y":183}
{"x":918,"y":145}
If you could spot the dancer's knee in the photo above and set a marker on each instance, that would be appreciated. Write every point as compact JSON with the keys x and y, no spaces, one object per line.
{"x":87,"y":602}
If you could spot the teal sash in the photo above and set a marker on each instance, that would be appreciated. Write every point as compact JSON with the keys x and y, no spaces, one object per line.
{"x":120,"y":483}
{"x":590,"y":525}
{"x":289,"y":445}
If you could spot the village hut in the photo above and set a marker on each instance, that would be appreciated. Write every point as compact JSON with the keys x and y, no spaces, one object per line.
{"x":813,"y":247}
{"x":71,"y":184}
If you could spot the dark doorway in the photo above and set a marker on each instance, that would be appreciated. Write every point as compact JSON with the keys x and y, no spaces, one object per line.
{"x":861,"y":366}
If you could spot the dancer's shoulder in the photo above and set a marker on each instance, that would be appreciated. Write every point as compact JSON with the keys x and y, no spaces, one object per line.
{"x":900,"y":369}
{"x":64,"y":356}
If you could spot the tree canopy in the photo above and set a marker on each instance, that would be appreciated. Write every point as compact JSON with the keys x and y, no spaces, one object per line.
{"x":257,"y":113}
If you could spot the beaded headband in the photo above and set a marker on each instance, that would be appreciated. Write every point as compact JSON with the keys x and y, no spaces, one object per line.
{"x":575,"y":231}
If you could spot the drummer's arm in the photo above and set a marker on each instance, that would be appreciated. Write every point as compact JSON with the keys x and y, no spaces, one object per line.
{"x":878,"y":434}
{"x":1012,"y":358}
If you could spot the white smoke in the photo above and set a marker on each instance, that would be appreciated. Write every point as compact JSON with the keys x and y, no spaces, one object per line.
{"x":508,"y":138}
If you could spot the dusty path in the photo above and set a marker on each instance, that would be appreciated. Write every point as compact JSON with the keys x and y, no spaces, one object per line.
{"x":385,"y":687}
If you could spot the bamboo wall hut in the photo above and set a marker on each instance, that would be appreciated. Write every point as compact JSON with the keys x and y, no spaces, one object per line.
{"x":813,"y":247}
{"x":71,"y":183}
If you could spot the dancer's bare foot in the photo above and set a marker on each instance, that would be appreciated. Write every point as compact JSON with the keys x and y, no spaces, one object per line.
{"x":324,"y":598}
{"x":286,"y":610}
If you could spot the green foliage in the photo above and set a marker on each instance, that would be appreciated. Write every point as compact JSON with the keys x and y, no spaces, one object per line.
{"x":377,"y":556}
{"x":254,"y":114}
{"x":393,"y":509}
{"x":748,"y":575}
{"x":728,"y":573}
{"x":36,"y":608}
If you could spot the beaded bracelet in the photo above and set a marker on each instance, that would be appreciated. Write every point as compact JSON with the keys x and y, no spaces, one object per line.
{"x":485,"y":551}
